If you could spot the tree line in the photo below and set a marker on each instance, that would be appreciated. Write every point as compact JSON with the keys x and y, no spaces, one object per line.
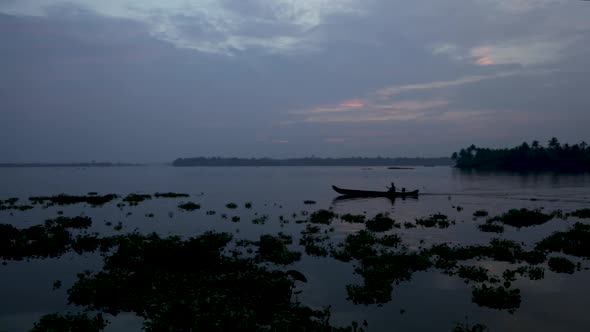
{"x":527,"y":157}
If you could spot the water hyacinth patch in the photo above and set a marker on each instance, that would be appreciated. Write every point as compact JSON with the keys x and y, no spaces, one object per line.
{"x":190,"y":206}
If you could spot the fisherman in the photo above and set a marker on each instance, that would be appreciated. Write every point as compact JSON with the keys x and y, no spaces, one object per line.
{"x":392,"y":188}
{"x":404,"y":190}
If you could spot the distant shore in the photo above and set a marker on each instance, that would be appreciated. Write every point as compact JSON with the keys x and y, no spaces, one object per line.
{"x":312,"y":161}
{"x":101,"y":164}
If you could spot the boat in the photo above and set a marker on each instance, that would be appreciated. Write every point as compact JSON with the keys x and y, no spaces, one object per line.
{"x":369,"y":193}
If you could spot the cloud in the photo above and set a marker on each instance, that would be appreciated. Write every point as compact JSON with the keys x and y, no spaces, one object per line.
{"x":335,"y":140}
{"x":520,"y":6}
{"x":520,"y":52}
{"x":213,"y":26}
{"x":353,"y":103}
{"x":394,"y":90}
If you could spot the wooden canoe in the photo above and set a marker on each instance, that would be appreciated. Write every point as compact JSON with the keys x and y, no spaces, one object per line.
{"x":369,"y":193}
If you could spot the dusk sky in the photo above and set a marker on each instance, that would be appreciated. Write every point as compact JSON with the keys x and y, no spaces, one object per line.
{"x":150,"y":81}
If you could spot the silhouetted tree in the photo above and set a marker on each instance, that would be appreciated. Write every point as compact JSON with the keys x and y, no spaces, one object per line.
{"x":525,"y":157}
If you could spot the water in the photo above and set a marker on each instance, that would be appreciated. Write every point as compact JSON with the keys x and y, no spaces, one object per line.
{"x":430,"y":301}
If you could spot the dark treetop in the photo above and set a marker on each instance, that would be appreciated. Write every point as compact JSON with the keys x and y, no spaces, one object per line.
{"x":534,"y":157}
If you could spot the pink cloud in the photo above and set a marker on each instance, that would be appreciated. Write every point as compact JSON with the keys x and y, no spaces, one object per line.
{"x":353,"y":103}
{"x":335,"y":140}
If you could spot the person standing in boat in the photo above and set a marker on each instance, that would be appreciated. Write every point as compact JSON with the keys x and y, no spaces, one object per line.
{"x":392,"y":188}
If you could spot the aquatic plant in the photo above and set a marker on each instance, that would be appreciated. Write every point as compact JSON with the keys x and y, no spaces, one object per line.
{"x":183,"y":285}
{"x":309,"y":202}
{"x":274,"y":249}
{"x":248,"y":205}
{"x":134,"y":199}
{"x":466,"y":327}
{"x":435,"y":220}
{"x":69,"y":323}
{"x":235,"y":218}
{"x":473,"y":273}
{"x":322,"y":217}
{"x":189,"y":206}
{"x":480,"y":213}
{"x":352,"y":218}
{"x":408,"y":225}
{"x":561,"y":265}
{"x":170,"y":195}
{"x":67,"y":222}
{"x":231,"y":205}
{"x":496,"y":297}
{"x":64,"y":199}
{"x":491,"y":228}
{"x":381,"y":223}
{"x":581,"y":213}
{"x":522,"y":218}
{"x":260,"y":220}
{"x":313,"y":241}
{"x":575,"y":241}
{"x":210,"y":212}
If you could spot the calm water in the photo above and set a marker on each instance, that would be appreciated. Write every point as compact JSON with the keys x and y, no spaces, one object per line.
{"x":431,"y":301}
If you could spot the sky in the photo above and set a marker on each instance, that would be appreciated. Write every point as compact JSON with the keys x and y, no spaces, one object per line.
{"x":150,"y":81}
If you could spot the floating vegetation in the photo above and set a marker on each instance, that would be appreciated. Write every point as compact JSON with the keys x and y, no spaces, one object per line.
{"x":496,"y":297}
{"x":473,"y":273}
{"x":170,"y":195}
{"x":134,"y":199}
{"x":480,"y":213}
{"x":435,"y":220}
{"x":63,"y":199}
{"x":465,"y":327}
{"x":536,"y":272}
{"x":322,"y":217}
{"x":353,"y":218}
{"x":581,"y":213}
{"x":491,"y":228}
{"x":10,"y":201}
{"x":313,"y":241}
{"x":309,"y":202}
{"x":381,"y":223}
{"x":201,"y":283}
{"x":231,"y":205}
{"x":57,"y":284}
{"x":190,"y":206}
{"x":274,"y":249}
{"x":67,"y":222}
{"x":523,"y":218}
{"x":51,"y":239}
{"x":260,"y":220}
{"x":149,"y":276}
{"x":69,"y":323}
{"x":573,"y":242}
{"x":380,"y":272}
{"x":561,"y":265}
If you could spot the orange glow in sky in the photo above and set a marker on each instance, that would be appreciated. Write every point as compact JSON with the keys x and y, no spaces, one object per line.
{"x":353,"y":103}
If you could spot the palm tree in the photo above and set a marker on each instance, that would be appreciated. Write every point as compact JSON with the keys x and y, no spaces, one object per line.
{"x":554,"y":143}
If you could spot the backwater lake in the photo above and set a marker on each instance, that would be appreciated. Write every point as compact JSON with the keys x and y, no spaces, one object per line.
{"x":430,"y":300}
